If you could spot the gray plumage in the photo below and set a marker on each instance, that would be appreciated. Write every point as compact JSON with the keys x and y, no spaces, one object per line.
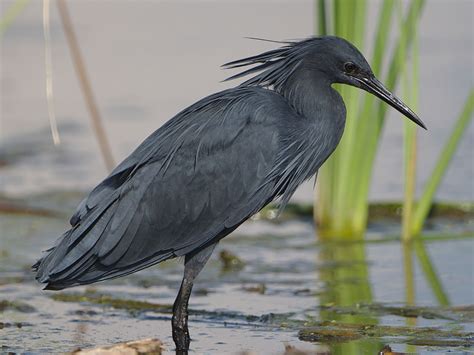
{"x":212,"y":166}
{"x":198,"y":177}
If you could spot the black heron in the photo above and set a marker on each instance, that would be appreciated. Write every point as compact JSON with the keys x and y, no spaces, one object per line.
{"x":212,"y":166}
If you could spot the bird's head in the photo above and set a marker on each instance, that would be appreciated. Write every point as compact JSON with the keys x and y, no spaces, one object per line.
{"x":346,"y":65}
{"x":331,"y":58}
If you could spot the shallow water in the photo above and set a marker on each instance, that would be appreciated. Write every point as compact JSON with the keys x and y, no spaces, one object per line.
{"x":288,"y":283}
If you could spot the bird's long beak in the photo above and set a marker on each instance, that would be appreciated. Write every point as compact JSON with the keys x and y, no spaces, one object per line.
{"x":372,"y":85}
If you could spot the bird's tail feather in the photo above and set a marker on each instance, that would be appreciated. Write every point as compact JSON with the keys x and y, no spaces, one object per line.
{"x":77,"y":257}
{"x":75,"y":251}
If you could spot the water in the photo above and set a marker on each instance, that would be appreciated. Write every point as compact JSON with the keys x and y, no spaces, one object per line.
{"x":289,"y":283}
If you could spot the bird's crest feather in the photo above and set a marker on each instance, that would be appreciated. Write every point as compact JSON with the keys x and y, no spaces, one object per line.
{"x":275,"y":66}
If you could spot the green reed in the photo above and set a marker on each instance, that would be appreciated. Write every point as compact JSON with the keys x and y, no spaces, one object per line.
{"x":344,"y":181}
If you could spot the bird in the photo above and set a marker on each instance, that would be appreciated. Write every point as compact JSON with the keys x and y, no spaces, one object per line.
{"x":212,"y":166}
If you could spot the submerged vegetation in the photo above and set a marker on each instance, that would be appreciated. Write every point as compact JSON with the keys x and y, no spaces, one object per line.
{"x":333,"y":332}
{"x":329,"y":286}
{"x":118,"y":303}
{"x":340,"y":331}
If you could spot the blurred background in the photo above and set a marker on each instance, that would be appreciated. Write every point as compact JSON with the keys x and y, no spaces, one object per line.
{"x":271,"y":286}
{"x":149,"y":60}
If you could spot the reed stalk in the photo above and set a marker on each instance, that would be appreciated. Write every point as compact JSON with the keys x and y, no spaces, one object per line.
{"x":85,"y":85}
{"x":322,"y":24}
{"x":342,"y":194}
{"x":426,"y":200}
{"x":411,"y":89}
{"x":48,"y":68}
{"x":373,"y":122}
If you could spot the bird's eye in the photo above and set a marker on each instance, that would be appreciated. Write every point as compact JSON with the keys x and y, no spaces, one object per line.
{"x":350,"y":68}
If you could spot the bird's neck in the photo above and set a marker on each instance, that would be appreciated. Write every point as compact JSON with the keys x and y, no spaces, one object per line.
{"x":322,"y":112}
{"x":312,"y":96}
{"x":310,"y":137}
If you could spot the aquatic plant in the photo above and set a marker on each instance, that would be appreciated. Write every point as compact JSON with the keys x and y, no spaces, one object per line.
{"x":415,"y":214}
{"x":342,"y":196}
{"x":424,"y":204}
{"x":10,"y":14}
{"x":341,"y":208}
{"x":85,"y":85}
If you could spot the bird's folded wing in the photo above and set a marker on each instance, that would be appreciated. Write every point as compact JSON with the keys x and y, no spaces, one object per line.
{"x":173,"y":201}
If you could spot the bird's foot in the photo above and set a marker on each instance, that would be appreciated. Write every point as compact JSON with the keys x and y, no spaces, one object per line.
{"x":181,"y":335}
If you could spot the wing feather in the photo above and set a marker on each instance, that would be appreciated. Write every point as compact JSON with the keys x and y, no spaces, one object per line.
{"x":193,"y":181}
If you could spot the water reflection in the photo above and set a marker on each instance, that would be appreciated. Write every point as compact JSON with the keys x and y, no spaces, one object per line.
{"x":409,"y":285}
{"x":347,"y":303}
{"x":430,"y":273}
{"x":362,"y":289}
{"x":346,"y":277}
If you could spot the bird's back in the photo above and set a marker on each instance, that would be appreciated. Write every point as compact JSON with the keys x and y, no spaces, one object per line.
{"x":196,"y":179}
{"x":191,"y":182}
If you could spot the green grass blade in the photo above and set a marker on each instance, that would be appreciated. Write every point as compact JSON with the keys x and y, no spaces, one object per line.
{"x":343,"y":154}
{"x":381,"y":38}
{"x":358,"y":150}
{"x":322,"y":18}
{"x":405,"y":40}
{"x":11,"y":14}
{"x":426,"y":200}
{"x":332,"y":176}
{"x":410,"y":176}
{"x":410,"y":138}
{"x":344,"y":180}
{"x":323,"y":196}
{"x":373,"y":128}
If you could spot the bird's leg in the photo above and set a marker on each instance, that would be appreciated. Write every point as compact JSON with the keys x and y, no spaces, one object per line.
{"x":193,"y":264}
{"x":179,"y":321}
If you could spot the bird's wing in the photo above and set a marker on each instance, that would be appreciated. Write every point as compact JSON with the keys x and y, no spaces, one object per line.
{"x":123,"y":172}
{"x":209,"y":179}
